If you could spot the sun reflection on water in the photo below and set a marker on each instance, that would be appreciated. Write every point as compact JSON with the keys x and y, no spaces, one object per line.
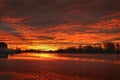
{"x":44,"y":55}
{"x":33,"y":56}
{"x":48,"y":56}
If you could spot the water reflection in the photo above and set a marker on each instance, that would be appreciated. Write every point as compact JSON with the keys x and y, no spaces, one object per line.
{"x":34,"y":66}
{"x":73,"y":57}
{"x":32,"y":56}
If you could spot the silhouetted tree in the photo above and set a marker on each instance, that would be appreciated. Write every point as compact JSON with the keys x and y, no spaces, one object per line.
{"x":71,"y":49}
{"x":109,"y":47}
{"x":80,"y":49}
{"x":118,"y":46}
{"x":3,"y":50}
{"x":88,"y":49}
{"x":3,"y":45}
{"x":93,"y":48}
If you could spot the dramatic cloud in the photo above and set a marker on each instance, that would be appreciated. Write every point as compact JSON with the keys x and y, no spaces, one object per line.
{"x":46,"y":38}
{"x":112,"y":40}
{"x":69,"y":22}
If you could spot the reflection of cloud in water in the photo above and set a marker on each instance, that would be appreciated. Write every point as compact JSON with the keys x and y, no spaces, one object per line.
{"x":35,"y":56}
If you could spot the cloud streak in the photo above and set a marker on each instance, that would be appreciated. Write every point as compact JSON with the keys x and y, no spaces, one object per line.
{"x":59,"y":21}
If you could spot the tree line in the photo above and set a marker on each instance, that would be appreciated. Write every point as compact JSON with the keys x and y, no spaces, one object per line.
{"x":93,"y":48}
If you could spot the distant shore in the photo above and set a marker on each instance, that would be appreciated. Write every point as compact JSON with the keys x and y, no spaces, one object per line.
{"x":106,"y":48}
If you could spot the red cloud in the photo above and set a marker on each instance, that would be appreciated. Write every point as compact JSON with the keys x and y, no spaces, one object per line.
{"x":107,"y":24}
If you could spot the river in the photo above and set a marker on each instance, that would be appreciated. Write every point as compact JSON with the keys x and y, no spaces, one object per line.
{"x":43,"y":66}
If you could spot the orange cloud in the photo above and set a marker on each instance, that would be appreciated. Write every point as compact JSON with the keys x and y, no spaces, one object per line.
{"x":58,"y":23}
{"x":11,"y":20}
{"x":107,"y":24}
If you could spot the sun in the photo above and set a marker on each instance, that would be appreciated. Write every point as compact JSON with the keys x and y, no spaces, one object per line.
{"x":43,"y":47}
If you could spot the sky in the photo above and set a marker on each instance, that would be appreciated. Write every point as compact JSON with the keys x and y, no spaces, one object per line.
{"x":53,"y":24}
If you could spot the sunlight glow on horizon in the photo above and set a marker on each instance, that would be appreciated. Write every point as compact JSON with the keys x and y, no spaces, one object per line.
{"x":44,"y":47}
{"x":38,"y":25}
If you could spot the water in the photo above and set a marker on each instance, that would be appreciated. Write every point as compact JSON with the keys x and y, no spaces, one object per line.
{"x":35,"y":66}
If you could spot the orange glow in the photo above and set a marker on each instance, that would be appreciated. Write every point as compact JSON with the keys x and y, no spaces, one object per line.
{"x":45,"y":56}
{"x":34,"y":56}
{"x":29,"y":37}
{"x":43,"y":47}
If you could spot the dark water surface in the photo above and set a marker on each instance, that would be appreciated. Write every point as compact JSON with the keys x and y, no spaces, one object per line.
{"x":35,"y":66}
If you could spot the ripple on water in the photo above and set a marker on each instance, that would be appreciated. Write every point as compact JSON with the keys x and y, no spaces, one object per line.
{"x":41,"y":76}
